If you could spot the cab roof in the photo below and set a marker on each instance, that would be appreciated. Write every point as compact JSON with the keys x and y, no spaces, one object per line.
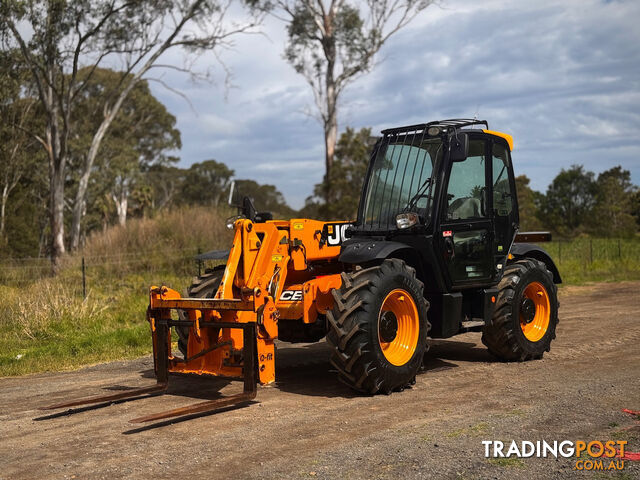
{"x":451,"y":124}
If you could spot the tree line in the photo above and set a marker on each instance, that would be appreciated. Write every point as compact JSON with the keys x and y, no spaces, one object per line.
{"x":61,"y":110}
{"x":580,"y":202}
{"x":576,"y":202}
{"x":134,"y":176}
{"x":84,"y":145}
{"x":137,"y":177}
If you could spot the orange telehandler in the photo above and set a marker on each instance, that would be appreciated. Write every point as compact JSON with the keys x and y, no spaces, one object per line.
{"x":435,"y":251}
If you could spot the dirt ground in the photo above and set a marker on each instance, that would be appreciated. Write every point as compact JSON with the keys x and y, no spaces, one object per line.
{"x":308,"y":425}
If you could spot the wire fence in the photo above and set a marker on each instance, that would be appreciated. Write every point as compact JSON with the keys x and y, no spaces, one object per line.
{"x":582,"y":254}
{"x":592,"y":250}
{"x":82,"y":270}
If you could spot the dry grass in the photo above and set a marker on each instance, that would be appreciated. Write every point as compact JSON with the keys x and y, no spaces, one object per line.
{"x":167,"y":242}
{"x":46,"y":325}
{"x":21,"y":271}
{"x":173,"y":231}
{"x":32,"y":312}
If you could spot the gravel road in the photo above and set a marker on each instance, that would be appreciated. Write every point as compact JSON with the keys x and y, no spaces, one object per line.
{"x":308,"y":425}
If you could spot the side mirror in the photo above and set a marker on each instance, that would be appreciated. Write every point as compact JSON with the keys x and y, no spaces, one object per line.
{"x":248,"y":210}
{"x":459,"y":147}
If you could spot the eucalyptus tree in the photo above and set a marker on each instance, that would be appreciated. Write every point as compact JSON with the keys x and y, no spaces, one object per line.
{"x":59,"y":38}
{"x":142,"y":134}
{"x":569,"y":200}
{"x":206,"y":183}
{"x":333,"y":42}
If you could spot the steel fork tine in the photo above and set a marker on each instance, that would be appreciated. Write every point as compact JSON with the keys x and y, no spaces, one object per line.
{"x":202,"y":407}
{"x":160,"y":387}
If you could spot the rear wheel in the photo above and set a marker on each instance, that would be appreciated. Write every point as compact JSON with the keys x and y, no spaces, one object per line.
{"x":526,"y":313}
{"x":378,"y":327}
{"x":203,"y":286}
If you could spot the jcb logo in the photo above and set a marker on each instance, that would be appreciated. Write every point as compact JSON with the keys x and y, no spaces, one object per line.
{"x":291,"y":296}
{"x":335,"y":233}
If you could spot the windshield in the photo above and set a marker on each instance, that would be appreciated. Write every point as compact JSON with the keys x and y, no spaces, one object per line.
{"x":401,"y":179}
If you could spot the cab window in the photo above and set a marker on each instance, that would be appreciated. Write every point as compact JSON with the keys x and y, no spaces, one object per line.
{"x":502,"y":199}
{"x":466,"y":190}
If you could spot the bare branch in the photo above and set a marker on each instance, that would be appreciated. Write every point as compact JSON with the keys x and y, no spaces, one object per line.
{"x":30,"y":61}
{"x":72,"y":40}
{"x":173,"y":90}
{"x":331,"y":44}
{"x":83,"y":38}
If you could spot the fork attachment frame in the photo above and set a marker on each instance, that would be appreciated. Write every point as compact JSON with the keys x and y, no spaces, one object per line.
{"x":248,"y":372}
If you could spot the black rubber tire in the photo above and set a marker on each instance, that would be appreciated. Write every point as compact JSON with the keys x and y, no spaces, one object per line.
{"x":504,"y":337}
{"x":204,"y":286}
{"x":353,"y":327}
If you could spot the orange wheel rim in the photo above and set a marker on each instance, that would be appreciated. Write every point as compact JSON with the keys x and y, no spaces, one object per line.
{"x":535,"y":323}
{"x":398,"y":327}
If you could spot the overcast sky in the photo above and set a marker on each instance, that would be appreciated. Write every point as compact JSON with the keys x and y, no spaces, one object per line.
{"x":561,"y":76}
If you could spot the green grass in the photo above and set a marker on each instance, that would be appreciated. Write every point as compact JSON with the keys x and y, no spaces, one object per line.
{"x":49,"y":327}
{"x":46,"y":325}
{"x":585,"y":260}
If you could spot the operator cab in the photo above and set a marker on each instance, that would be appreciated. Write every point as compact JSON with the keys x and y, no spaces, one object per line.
{"x":446,"y":189}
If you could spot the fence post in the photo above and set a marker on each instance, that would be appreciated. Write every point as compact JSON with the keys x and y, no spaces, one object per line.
{"x":199,"y":262}
{"x":590,"y":251}
{"x":559,"y":251}
{"x":84,"y":281}
{"x":619,"y":250}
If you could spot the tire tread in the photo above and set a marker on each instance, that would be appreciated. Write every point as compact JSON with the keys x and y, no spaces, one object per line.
{"x":352,"y":354}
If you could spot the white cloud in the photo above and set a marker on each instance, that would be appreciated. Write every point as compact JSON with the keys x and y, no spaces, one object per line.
{"x":562,"y":77}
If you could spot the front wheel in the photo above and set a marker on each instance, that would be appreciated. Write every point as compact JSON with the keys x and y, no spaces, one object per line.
{"x":378,"y":327}
{"x":526,"y":313}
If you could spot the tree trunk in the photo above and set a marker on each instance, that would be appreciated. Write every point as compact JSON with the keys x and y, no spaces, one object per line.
{"x":79,"y":202}
{"x":110,"y":114}
{"x":331,"y":117}
{"x":83,"y":184}
{"x":56,"y":149}
{"x":121,"y":206}
{"x":330,"y":138}
{"x":56,"y":186}
{"x":3,"y":206}
{"x":78,"y":210}
{"x":8,"y":186}
{"x":42,"y":242}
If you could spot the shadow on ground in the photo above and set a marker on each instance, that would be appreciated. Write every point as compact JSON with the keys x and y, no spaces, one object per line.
{"x":302,"y":369}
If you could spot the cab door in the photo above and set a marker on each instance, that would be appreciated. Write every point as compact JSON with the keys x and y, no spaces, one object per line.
{"x":504,"y":202}
{"x":466,"y":223}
